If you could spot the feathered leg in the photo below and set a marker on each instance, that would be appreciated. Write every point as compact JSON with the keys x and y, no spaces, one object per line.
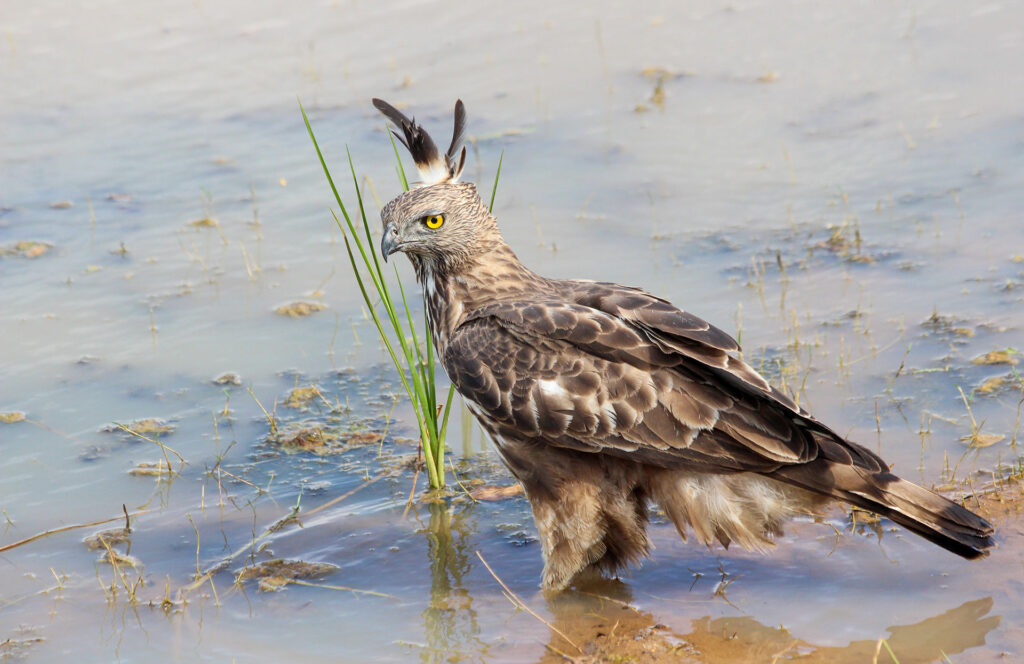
{"x":591,"y":514}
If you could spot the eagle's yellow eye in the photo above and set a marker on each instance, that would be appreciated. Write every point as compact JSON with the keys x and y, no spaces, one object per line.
{"x":434,"y":221}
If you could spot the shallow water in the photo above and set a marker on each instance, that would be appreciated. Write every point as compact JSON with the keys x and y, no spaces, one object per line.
{"x":840,"y":187}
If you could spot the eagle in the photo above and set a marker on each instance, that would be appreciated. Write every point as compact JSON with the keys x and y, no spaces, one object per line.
{"x":603,"y":399}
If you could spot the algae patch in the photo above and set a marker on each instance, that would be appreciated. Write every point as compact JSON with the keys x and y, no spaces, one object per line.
{"x":149,"y":426}
{"x":301,"y":397}
{"x":1005,"y":356}
{"x":26,"y":249}
{"x":308,"y":439}
{"x":151,"y":469}
{"x":107,"y":538}
{"x":299,"y":309}
{"x":274,"y":575}
{"x":979,"y":440}
{"x":228,"y":378}
{"x":996,"y":384}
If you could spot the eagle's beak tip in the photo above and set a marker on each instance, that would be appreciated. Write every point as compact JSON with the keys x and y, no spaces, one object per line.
{"x":388,"y":243}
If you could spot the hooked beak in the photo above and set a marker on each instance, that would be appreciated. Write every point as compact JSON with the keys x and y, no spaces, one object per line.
{"x":390,"y":243}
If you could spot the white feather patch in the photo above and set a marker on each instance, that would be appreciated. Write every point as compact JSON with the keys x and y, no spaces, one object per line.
{"x":434,"y":172}
{"x":552,"y":388}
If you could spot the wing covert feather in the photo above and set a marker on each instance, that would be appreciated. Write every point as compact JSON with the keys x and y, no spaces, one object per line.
{"x":585,"y":379}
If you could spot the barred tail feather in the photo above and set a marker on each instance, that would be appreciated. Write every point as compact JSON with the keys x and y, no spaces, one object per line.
{"x":919,"y":510}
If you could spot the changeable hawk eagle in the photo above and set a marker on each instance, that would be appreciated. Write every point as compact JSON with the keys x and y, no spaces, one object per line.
{"x":602,"y":398}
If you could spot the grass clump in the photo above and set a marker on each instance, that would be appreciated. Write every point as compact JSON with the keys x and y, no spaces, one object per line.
{"x":414,"y":361}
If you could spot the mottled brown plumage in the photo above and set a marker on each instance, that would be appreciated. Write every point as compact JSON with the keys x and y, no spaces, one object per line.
{"x":601,"y":398}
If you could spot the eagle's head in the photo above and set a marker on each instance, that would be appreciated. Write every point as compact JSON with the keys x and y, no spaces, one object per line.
{"x":441,"y":223}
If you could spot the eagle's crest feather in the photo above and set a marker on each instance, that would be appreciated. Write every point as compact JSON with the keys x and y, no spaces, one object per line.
{"x":433,"y":166}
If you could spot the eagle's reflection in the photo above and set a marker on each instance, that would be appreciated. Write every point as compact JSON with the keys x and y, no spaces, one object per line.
{"x":600,"y":620}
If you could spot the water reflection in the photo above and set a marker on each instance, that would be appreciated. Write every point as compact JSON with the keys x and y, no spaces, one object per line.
{"x":450,"y":621}
{"x":602,"y":622}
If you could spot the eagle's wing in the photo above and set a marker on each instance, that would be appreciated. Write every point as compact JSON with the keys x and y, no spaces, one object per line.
{"x":671,"y":328}
{"x":642,"y":380}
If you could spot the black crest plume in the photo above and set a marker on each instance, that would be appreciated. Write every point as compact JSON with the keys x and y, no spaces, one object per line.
{"x":434,"y":167}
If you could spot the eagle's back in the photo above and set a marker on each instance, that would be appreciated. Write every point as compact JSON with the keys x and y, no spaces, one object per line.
{"x":602,"y":397}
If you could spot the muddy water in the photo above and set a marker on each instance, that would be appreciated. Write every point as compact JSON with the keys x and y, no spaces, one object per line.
{"x":838,"y":187}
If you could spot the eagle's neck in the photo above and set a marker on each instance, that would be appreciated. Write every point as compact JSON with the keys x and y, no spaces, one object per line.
{"x":452,"y":295}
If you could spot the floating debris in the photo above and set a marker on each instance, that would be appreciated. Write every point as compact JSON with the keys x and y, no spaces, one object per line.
{"x":93,"y":453}
{"x":61,"y":205}
{"x":956,"y":326}
{"x":660,"y":76}
{"x":359,"y":438}
{"x":228,"y":378}
{"x":979,"y":440}
{"x":308,"y":439}
{"x":12,"y":417}
{"x":26,"y":249}
{"x":18,"y":648}
{"x":1005,"y":356}
{"x":112,"y":557}
{"x":300,"y":397}
{"x":107,"y":538}
{"x":491,"y":492}
{"x":515,"y":534}
{"x":205,"y":222}
{"x":315,"y":488}
{"x":842,"y":245}
{"x":858,"y":515}
{"x":151,"y":469}
{"x":299,"y":309}
{"x":148,"y":426}
{"x":274,"y":575}
{"x":995,"y":384}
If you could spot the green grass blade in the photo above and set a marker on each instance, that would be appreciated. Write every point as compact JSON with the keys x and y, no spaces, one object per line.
{"x":430,"y":353}
{"x":376,"y":319}
{"x":323,"y":164}
{"x":497,"y":176}
{"x":415,"y":365}
{"x":408,"y":314}
{"x":398,"y":158}
{"x":380,"y":284}
{"x":362,"y":212}
{"x":891,"y":653}
{"x":447,"y":411}
{"x":420,"y":365}
{"x":415,"y":391}
{"x":377,"y":285}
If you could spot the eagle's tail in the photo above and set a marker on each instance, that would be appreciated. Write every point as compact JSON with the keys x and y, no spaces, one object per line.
{"x":928,"y":514}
